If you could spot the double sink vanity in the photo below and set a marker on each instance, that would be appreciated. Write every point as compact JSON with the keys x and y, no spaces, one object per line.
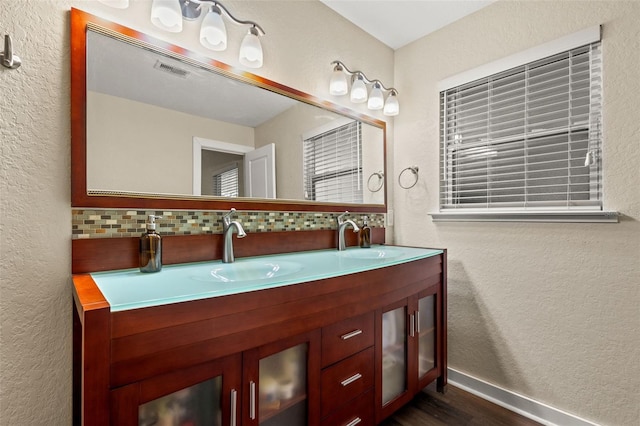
{"x":323,"y":337}
{"x":293,"y":332}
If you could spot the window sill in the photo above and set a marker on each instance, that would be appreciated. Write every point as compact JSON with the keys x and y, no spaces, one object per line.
{"x":531,"y":216}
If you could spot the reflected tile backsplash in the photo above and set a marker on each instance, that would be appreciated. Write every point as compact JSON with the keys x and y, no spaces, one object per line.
{"x":131,"y":223}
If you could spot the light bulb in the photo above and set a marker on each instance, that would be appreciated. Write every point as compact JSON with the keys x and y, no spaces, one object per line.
{"x":167,"y":15}
{"x":376,"y":98}
{"x":251,"y":50}
{"x":213,"y":33}
{"x":391,"y":106}
{"x":358,"y":91}
{"x":338,"y":85}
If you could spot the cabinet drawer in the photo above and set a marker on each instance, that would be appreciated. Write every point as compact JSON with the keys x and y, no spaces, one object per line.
{"x":346,"y":380}
{"x":347,"y":337}
{"x":359,"y":412}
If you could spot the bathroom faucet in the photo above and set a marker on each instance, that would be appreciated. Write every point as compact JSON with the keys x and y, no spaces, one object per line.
{"x":342,"y":225}
{"x":227,"y":233}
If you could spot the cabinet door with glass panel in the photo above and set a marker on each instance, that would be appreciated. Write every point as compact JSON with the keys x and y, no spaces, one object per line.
{"x":281,"y":382}
{"x":206,"y":394}
{"x":426,"y":330}
{"x":394,"y":358}
{"x":408,"y":350}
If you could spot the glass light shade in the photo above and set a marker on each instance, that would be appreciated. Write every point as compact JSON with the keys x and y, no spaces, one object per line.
{"x":213,"y":33}
{"x":358,"y":91}
{"x":167,"y":15}
{"x":251,"y":50}
{"x":376,"y":98}
{"x":118,"y":4}
{"x":338,"y":85}
{"x":391,"y":107}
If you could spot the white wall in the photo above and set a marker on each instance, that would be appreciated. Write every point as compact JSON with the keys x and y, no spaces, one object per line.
{"x":284,"y":131}
{"x":550,"y":311}
{"x":35,"y":227}
{"x":126,"y":154}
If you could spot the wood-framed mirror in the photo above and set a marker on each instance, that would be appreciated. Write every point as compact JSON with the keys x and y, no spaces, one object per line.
{"x":116,"y":165}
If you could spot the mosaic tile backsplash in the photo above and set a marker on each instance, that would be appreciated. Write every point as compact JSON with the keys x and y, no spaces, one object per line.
{"x":131,"y":223}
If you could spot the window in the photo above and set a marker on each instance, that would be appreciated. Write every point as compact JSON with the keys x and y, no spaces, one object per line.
{"x":333,"y":165}
{"x":225,"y":184}
{"x":526,"y":139}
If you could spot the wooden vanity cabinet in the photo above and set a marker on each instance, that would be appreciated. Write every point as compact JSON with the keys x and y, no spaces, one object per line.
{"x":310,"y":353}
{"x":280,"y":382}
{"x":207,"y":393}
{"x":409,"y":352}
{"x":274,"y":384}
{"x":348,"y":372}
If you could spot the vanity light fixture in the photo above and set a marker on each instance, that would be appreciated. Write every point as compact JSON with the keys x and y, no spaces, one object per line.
{"x":358,"y":90}
{"x":339,"y":86}
{"x":391,"y":106}
{"x":376,"y":99}
{"x":170,"y":14}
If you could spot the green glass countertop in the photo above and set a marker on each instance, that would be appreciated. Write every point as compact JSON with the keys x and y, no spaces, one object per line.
{"x":132,"y":289}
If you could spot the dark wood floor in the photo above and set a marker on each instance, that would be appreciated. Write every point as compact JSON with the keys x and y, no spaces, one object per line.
{"x":456,"y":407}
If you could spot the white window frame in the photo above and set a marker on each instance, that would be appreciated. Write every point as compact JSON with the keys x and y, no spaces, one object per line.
{"x":449,"y":210}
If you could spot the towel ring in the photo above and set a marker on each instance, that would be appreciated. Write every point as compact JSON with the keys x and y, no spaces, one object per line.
{"x":376,"y":186}
{"x":413,"y":170}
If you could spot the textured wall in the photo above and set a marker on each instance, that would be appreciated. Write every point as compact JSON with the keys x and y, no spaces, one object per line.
{"x":35,"y":292}
{"x":546,"y":310}
{"x":35,"y":296}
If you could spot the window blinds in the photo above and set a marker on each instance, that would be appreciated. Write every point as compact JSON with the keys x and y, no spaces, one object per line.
{"x":225,"y":184}
{"x":525,"y":138}
{"x":333,"y":165}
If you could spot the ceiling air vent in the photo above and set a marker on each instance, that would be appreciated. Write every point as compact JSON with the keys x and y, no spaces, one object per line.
{"x":178,"y":72}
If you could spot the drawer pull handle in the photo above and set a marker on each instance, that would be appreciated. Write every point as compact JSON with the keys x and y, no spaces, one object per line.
{"x":347,"y":382}
{"x":354,"y":333}
{"x":412,"y":325}
{"x":234,"y":402}
{"x":354,"y":422}
{"x":252,"y":400}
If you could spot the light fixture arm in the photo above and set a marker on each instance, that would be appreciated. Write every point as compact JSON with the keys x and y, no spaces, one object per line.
{"x":364,"y":77}
{"x":235,"y":20}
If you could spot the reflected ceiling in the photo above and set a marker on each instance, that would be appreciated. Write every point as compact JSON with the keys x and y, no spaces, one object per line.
{"x":140,"y":76}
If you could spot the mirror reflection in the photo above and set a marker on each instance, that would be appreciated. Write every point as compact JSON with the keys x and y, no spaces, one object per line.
{"x":162,"y":124}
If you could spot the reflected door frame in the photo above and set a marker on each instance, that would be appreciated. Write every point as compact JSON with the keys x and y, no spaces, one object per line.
{"x":212,"y":145}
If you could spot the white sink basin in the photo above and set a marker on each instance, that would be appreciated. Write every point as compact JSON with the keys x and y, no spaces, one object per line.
{"x":247,"y":271}
{"x":371,"y":253}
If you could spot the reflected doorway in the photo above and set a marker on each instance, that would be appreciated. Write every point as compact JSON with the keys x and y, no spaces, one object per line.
{"x":222,"y":174}
{"x":224,"y":169}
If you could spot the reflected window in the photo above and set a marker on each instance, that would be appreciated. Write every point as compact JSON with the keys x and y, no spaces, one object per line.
{"x":225,"y":184}
{"x":333,"y":165}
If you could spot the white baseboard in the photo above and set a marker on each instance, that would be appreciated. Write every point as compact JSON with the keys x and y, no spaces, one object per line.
{"x":520,"y":404}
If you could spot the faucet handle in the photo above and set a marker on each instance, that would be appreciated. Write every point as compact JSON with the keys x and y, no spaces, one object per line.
{"x":340,"y":217}
{"x":228,"y":214}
